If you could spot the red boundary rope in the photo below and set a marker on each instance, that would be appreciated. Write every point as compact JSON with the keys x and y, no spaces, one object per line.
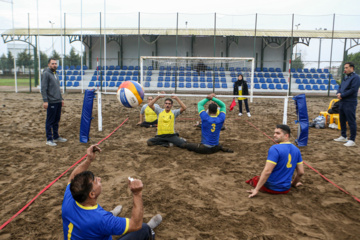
{"x":357,"y":199}
{"x":48,"y":186}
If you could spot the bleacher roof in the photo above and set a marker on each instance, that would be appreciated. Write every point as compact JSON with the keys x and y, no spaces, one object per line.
{"x":186,"y":32}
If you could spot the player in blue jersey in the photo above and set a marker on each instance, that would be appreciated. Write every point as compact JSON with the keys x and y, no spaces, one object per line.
{"x":282,"y":161}
{"x":83,"y":218}
{"x":210,"y":127}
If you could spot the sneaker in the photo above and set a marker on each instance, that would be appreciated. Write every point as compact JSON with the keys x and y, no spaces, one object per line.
{"x":350,"y":143}
{"x":341,"y":139}
{"x":155,"y":221}
{"x":240,"y":114}
{"x":51,"y":143}
{"x":60,"y":139}
{"x":249,"y":115}
{"x":117,"y":210}
{"x":171,"y":144}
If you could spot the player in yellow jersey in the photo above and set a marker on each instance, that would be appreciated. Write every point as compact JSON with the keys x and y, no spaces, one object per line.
{"x":241,"y":89}
{"x":150,"y":115}
{"x":166,"y":135}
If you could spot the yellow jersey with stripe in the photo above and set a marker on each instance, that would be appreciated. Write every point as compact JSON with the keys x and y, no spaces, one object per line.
{"x":80,"y":222}
{"x":150,"y":115}
{"x":240,"y":92}
{"x":286,"y":156}
{"x":166,"y":120}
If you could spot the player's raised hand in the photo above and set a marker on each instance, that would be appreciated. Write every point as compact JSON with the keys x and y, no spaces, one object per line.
{"x":210,"y":96}
{"x":135,"y":185}
{"x":91,"y":151}
{"x":161,"y":96}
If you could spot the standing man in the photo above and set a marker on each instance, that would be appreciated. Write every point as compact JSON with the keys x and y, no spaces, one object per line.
{"x":150,"y":115}
{"x":84,"y":218}
{"x":53,"y":101}
{"x":211,"y":125}
{"x":166,"y":135}
{"x":347,"y":93}
{"x":283,"y":159}
{"x":241,"y":89}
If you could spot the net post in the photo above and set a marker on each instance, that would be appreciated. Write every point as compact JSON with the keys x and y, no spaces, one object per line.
{"x":252,"y":79}
{"x":286,"y":100}
{"x":141,"y":71}
{"x":99,"y":111}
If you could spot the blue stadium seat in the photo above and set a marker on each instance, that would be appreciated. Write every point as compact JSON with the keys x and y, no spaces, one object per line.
{"x":217,"y":85}
{"x":319,"y":70}
{"x":222,"y":74}
{"x":271,"y":86}
{"x":223,"y":85}
{"x":128,"y":78}
{"x":278,"y":70}
{"x":114,"y":78}
{"x":267,"y":75}
{"x":202,"y":85}
{"x":147,"y":84}
{"x":173,"y":85}
{"x":302,"y":75}
{"x":280,"y":75}
{"x":264,"y":86}
{"x":93,"y":78}
{"x":202,"y":74}
{"x":299,"y":70}
{"x":273,"y":75}
{"x":323,"y":87}
{"x":91,"y":84}
{"x":313,"y":70}
{"x":66,"y":67}
{"x":327,"y":81}
{"x":319,"y":81}
{"x":315,"y":87}
{"x":209,"y":79}
{"x":72,"y":78}
{"x":306,"y":70}
{"x":312,"y":81}
{"x":160,"y":79}
{"x":278,"y":86}
{"x":119,"y":83}
{"x":257,"y":86}
{"x":216,"y":79}
{"x":167,"y":84}
{"x":109,"y":73}
{"x":112,"y":84}
{"x":97,"y":84}
{"x":305,"y":81}
{"x":195,"y":79}
{"x":159,"y":84}
{"x":69,"y":84}
{"x":295,"y":75}
{"x":181,"y":74}
{"x":78,"y":78}
{"x":161,"y":74}
{"x":256,"y":80}
{"x":333,"y":82}
{"x":136,"y":73}
{"x":233,"y":79}
{"x":210,"y":85}
{"x":167,"y":79}
{"x":298,"y":81}
{"x":309,"y":75}
{"x":326,"y":70}
{"x":116,"y":73}
{"x":308,"y":87}
{"x":188,"y":85}
{"x":121,"y":79}
{"x":188,"y":74}
{"x":265,"y":69}
{"x":238,"y":69}
{"x":122,"y":73}
{"x":188,"y":79}
{"x":336,"y":87}
{"x":72,"y":67}
{"x":108,"y":78}
{"x":256,"y":69}
{"x":137,"y":68}
{"x":202,"y":79}
{"x":134,"y":79}
{"x":168,"y":74}
{"x":148,"y":79}
{"x":271,"y":69}
{"x":69,"y":72}
{"x":131,"y":68}
{"x":117,"y":68}
{"x":262,"y":80}
{"x":195,"y":74}
{"x":181,"y":79}
{"x":181,"y":85}
{"x":128,"y":73}
{"x":260,"y":74}
{"x":105,"y":84}
{"x":322,"y":76}
{"x":301,"y":87}
{"x":286,"y":86}
{"x":195,"y":85}
{"x":292,"y":70}
{"x":223,"y":80}
{"x":282,"y":80}
{"x":315,"y":75}
{"x":268,"y":80}
{"x":276,"y":80}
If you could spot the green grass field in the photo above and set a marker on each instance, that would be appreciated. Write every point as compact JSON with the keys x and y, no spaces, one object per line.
{"x":21,"y":82}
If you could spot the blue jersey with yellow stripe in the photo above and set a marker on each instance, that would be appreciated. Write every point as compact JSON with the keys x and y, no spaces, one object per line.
{"x":210,"y":128}
{"x":80,"y":222}
{"x":285,"y":156}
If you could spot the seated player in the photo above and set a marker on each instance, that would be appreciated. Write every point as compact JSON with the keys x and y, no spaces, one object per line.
{"x":198,"y":124}
{"x":84,"y":218}
{"x":283,"y":159}
{"x":150,"y":115}
{"x":210,"y":127}
{"x":166,"y":135}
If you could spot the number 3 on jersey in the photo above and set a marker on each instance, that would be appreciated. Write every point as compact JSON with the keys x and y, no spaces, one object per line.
{"x":213,"y":127}
{"x":289,"y":165}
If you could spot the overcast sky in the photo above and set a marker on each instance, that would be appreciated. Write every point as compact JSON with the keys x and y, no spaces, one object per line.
{"x":275,"y":14}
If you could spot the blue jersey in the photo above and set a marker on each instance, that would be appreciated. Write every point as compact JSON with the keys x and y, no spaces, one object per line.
{"x":210,"y":128}
{"x":80,"y":222}
{"x":285,"y":156}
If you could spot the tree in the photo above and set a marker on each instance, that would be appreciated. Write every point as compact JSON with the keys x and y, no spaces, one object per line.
{"x":55,"y":54}
{"x":24,"y":59}
{"x":43,"y":60}
{"x":73,"y":59}
{"x":353,"y":57}
{"x":3,"y":62}
{"x":297,"y":63}
{"x":10,"y":60}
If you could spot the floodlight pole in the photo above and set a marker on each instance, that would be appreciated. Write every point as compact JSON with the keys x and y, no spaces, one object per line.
{"x":331,"y":50}
{"x":12,"y":19}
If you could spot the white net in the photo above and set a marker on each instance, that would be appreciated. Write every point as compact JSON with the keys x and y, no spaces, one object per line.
{"x":194,"y":74}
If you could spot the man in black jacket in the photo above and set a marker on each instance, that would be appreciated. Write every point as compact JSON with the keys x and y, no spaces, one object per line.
{"x":241,"y":89}
{"x":53,"y":101}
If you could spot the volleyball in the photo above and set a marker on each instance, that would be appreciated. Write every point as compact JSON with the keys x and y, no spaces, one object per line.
{"x":130,"y":94}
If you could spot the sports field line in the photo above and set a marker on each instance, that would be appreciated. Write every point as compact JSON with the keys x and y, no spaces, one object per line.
{"x":48,"y":186}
